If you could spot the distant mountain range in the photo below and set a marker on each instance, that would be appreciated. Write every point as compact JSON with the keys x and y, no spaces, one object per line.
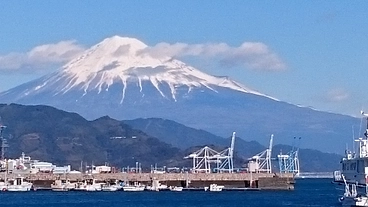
{"x":49,"y":134}
{"x":121,"y":78}
{"x":182,"y":137}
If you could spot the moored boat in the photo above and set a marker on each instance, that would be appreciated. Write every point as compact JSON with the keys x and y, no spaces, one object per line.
{"x":110,"y":187}
{"x":176,"y":188}
{"x":351,"y":198}
{"x":354,"y":166}
{"x":3,"y":186}
{"x":62,"y":185}
{"x":157,"y":186}
{"x":134,"y":188}
{"x":216,"y":188}
{"x":88,"y":185}
{"x":18,"y":184}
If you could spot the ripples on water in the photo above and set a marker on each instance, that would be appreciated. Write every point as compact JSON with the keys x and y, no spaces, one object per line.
{"x":308,"y":192}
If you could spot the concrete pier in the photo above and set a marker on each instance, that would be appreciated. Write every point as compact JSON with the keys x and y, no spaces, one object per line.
{"x":188,"y":180}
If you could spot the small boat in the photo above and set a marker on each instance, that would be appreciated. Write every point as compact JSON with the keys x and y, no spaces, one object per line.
{"x":157,"y":186}
{"x":3,"y":186}
{"x":18,"y":184}
{"x":110,"y":187}
{"x":162,"y":187}
{"x":351,"y":198}
{"x":134,"y":188}
{"x":118,"y":185}
{"x":88,"y":185}
{"x":214,"y":188}
{"x":152,"y":188}
{"x":176,"y":188}
{"x":62,"y":185}
{"x":58,"y":185}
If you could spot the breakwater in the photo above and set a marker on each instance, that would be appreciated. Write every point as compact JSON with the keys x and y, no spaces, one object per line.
{"x":188,"y":180}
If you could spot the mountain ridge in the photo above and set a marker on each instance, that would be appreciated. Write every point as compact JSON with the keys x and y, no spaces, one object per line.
{"x":50,"y":134}
{"x":61,"y":137}
{"x":185,"y":138}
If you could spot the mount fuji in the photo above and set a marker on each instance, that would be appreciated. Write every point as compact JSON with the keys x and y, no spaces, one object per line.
{"x":117,"y":77}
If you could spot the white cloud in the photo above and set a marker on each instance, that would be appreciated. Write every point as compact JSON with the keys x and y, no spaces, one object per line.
{"x":253,"y":55}
{"x":41,"y":57}
{"x":337,"y":95}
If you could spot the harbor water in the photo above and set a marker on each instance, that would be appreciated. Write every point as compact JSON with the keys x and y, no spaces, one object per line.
{"x":308,"y":192}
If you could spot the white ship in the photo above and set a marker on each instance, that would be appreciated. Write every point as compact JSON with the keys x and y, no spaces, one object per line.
{"x":62,"y":185}
{"x":176,"y":188}
{"x":18,"y":184}
{"x":156,"y":186}
{"x":136,"y":187}
{"x":214,"y":188}
{"x":108,"y":186}
{"x":354,"y":166}
{"x":351,"y":198}
{"x":3,"y":186}
{"x":88,"y":185}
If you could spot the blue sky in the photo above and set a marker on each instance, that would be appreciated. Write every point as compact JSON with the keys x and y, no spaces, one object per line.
{"x":313,"y":53}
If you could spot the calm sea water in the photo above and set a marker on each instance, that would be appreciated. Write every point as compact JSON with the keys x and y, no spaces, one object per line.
{"x":308,"y":192}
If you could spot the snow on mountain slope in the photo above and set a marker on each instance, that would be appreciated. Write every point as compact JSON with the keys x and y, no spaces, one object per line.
{"x":122,"y":60}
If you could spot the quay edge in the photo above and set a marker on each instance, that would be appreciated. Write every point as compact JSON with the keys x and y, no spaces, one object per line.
{"x":266,"y":181}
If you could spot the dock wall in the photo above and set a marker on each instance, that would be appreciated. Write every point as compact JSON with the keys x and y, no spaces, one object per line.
{"x":276,"y":183}
{"x":190,"y":180}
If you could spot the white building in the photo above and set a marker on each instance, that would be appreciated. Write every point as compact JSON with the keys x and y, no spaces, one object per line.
{"x":62,"y":170}
{"x":99,"y":169}
{"x":25,"y":164}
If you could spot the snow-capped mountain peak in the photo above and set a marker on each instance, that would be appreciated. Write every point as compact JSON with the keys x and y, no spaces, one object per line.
{"x":123,"y":61}
{"x":112,"y":55}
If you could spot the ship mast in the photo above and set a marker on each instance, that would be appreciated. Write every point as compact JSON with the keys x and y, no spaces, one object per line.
{"x":366,"y":129}
{"x":363,"y":151}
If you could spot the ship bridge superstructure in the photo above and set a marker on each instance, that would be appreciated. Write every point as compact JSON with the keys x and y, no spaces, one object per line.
{"x":354,"y":166}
